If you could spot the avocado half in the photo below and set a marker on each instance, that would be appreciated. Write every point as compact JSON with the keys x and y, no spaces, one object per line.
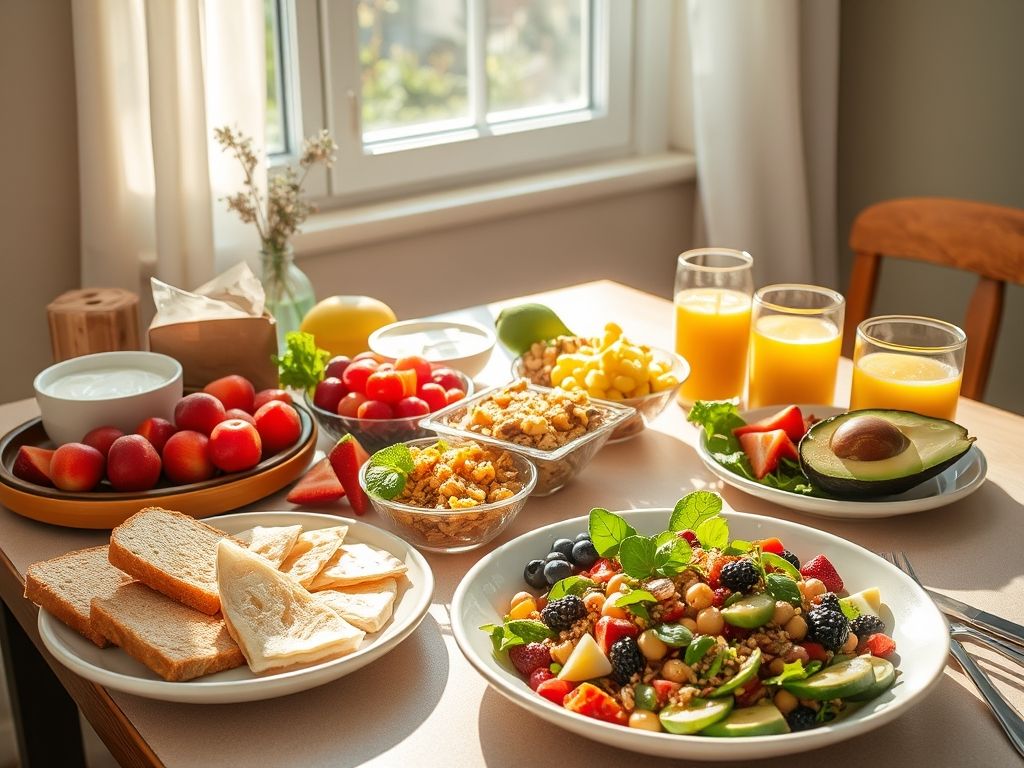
{"x":931,"y":445}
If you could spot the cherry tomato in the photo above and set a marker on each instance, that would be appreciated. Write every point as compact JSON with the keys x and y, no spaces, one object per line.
{"x":369,"y":356}
{"x":454,"y":394}
{"x":328,"y":394}
{"x":264,"y":396}
{"x":348,"y":406}
{"x":385,"y":385}
{"x":447,"y":378}
{"x":408,"y":379}
{"x":336,"y":366}
{"x":357,"y":373}
{"x":415,"y":363}
{"x":411,"y":406}
{"x":375,"y":409}
{"x":434,"y":395}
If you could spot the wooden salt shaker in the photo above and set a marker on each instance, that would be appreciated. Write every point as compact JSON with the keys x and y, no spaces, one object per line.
{"x":90,"y":320}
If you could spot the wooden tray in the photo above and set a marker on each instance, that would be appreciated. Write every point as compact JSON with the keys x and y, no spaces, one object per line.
{"x":105,"y":509}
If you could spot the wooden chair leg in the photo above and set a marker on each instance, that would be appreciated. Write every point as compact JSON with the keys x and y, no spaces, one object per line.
{"x":984,"y":315}
{"x":859,"y":296}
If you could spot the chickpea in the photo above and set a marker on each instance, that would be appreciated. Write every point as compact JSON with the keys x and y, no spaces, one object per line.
{"x":851,"y":643}
{"x":783,"y":613}
{"x":812,"y":588}
{"x":700,"y":596}
{"x":710,"y":622}
{"x":785,"y":701}
{"x":675,"y":671}
{"x":519,"y":597}
{"x":614,"y":583}
{"x":651,"y":646}
{"x":562,"y":651}
{"x":594,"y":601}
{"x":647,"y":721}
{"x":689,"y":623}
{"x":796,"y":628}
{"x":610,"y":609}
{"x":777,"y":665}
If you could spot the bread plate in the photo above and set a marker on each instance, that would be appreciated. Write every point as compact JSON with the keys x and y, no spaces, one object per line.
{"x":956,"y":482}
{"x":112,"y":668}
{"x":106,"y":508}
{"x":919,"y":630}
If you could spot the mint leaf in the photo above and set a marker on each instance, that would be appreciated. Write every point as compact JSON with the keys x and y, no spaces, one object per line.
{"x":637,"y":555}
{"x":793,"y":670}
{"x":521,"y":632}
{"x":302,"y":364}
{"x":697,"y":649}
{"x":573,"y":585}
{"x":672,"y":557}
{"x":607,"y":531}
{"x":738,"y":547}
{"x":713,"y":533}
{"x":384,"y":482}
{"x":633,"y":597}
{"x":497,"y":632}
{"x":782,"y":588}
{"x":780,"y":563}
{"x":694,"y":508}
{"x":397,"y":456}
{"x":673,"y":635}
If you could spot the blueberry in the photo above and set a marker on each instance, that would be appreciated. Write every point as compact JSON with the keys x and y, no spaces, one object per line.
{"x":555,"y":556}
{"x":582,"y":537}
{"x":534,"y":574}
{"x":584,"y":554}
{"x":564,"y":546}
{"x":556,"y":570}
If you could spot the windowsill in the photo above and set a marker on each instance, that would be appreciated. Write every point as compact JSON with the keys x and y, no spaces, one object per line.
{"x":335,"y":230}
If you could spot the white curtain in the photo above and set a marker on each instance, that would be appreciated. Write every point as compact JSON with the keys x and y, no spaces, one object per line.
{"x":765,"y":94}
{"x":154,"y":77}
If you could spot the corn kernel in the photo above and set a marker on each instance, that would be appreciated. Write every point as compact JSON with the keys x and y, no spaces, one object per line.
{"x":624,"y":384}
{"x":569,"y":383}
{"x":613,"y":394}
{"x":598,"y":393}
{"x":558,"y":376}
{"x":642,"y":390}
{"x":598,"y":379}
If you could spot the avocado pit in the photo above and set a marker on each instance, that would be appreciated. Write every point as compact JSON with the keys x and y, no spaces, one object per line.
{"x":868,"y":438}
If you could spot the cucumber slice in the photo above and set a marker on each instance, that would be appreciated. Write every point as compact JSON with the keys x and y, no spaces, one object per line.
{"x":751,"y":611}
{"x":759,"y":720}
{"x":839,"y":681}
{"x":885,"y":676}
{"x":745,"y":673}
{"x":695,"y":716}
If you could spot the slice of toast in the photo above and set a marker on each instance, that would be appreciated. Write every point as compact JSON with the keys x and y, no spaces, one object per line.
{"x":66,"y":585}
{"x":173,"y":640}
{"x":172,"y":553}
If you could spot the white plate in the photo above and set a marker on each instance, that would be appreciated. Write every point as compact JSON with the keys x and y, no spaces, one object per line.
{"x":919,"y":630}
{"x":960,"y":480}
{"x":113,"y":668}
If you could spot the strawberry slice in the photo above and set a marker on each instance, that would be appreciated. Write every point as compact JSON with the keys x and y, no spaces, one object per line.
{"x":318,"y":486}
{"x":346,"y":458}
{"x":878,"y":644}
{"x":609,"y":629}
{"x":33,"y":464}
{"x":789,"y":420}
{"x":821,"y":568}
{"x":766,"y":449}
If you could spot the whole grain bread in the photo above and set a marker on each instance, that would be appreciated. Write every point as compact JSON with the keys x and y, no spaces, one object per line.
{"x":172,"y":553}
{"x":173,"y":640}
{"x":66,"y":585}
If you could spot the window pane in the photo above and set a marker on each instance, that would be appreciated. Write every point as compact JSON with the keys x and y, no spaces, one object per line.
{"x":535,"y":54}
{"x":277,"y":142}
{"x":414,"y":64}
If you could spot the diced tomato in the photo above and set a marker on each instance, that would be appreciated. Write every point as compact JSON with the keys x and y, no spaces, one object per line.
{"x":766,"y":449}
{"x":789,"y":420}
{"x":771,"y":545}
{"x":554,"y":690}
{"x":879,"y":644}
{"x":752,"y":691}
{"x":664,"y":690}
{"x":608,"y":630}
{"x":674,"y":613}
{"x":716,"y":565}
{"x":815,"y":651}
{"x":603,"y":570}
{"x":591,"y":701}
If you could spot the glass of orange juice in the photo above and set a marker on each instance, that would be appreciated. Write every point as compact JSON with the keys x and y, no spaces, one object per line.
{"x":908,"y":363}
{"x":795,"y":335}
{"x":712,"y":300}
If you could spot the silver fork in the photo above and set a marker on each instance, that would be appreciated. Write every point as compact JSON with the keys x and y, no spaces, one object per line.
{"x":1008,"y":718}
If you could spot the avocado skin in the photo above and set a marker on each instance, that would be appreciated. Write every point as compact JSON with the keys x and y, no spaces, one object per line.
{"x":853,"y":488}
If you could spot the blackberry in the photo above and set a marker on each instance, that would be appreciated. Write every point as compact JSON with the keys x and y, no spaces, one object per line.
{"x":830,"y":601}
{"x":626,"y":659}
{"x":791,"y":558}
{"x":563,"y":613}
{"x":801,"y":719}
{"x":866,"y":625}
{"x":738,"y":575}
{"x":827,"y":627}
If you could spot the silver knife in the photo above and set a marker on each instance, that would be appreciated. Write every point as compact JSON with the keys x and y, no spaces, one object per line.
{"x":979,"y":618}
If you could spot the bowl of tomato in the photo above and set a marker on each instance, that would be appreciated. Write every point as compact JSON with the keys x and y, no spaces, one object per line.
{"x":381,"y":402}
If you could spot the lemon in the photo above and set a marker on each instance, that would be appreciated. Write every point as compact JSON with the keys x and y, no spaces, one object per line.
{"x":342,"y":324}
{"x":518,"y":327}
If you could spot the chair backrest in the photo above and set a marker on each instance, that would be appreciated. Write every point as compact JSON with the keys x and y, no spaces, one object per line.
{"x":976,"y":237}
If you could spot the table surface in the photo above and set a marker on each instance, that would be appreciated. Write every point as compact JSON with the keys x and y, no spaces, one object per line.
{"x":445,"y":714}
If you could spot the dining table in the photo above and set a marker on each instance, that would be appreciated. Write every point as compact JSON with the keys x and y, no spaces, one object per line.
{"x":423,"y":704}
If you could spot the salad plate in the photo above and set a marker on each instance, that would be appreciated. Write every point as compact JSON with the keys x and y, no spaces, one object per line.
{"x":957,"y":482}
{"x":113,"y":668}
{"x":918,"y":630}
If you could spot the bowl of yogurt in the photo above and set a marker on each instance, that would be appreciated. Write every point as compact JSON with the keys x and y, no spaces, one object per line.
{"x":460,"y":344}
{"x":118,"y":389}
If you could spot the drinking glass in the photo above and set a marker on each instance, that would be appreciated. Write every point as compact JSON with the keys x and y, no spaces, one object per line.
{"x":712,"y":300}
{"x":908,"y":363}
{"x":795,"y":336}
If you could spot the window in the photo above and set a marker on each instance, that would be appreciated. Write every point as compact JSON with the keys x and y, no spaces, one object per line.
{"x":425,"y":93}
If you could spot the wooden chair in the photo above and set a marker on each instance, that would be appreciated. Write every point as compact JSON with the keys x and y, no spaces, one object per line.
{"x":985,"y":239}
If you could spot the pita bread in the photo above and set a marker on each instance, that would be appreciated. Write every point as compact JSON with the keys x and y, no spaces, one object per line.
{"x":275,"y":621}
{"x":367,"y":606}
{"x":354,"y":564}
{"x":312,"y":550}
{"x":275,"y":544}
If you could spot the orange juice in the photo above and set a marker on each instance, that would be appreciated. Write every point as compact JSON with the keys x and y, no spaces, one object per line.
{"x":712,"y":330}
{"x":906,"y":383}
{"x":793,"y":359}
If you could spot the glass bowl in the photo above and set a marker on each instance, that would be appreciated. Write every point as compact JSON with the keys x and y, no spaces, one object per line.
{"x":374,"y":434}
{"x":648,"y":407}
{"x":555,"y":468}
{"x":454,"y":530}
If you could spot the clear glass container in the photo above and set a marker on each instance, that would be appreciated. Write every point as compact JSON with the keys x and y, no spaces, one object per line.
{"x":289,"y":293}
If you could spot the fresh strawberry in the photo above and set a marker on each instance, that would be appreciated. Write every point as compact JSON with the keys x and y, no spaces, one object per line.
{"x":609,"y":629}
{"x":789,"y":420}
{"x":772,"y":545}
{"x":878,"y":644}
{"x":555,"y":690}
{"x":318,"y":486}
{"x":720,"y":596}
{"x":664,"y":690}
{"x":346,"y":458}
{"x":603,"y":570}
{"x":538,"y":676}
{"x":815,"y":651}
{"x":820,"y":568}
{"x":766,"y":449}
{"x":527,"y":658}
{"x":690,"y":536}
{"x":591,"y":701}
{"x":673,"y":612}
{"x":33,"y":464}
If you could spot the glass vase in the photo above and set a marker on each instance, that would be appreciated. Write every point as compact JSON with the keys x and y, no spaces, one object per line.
{"x":289,"y":293}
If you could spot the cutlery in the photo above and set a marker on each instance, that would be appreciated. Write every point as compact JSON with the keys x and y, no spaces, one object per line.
{"x":1009,"y":720}
{"x":997,"y":625}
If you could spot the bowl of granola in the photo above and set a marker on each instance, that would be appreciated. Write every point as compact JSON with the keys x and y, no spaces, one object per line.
{"x":448,"y":495}
{"x":559,"y":431}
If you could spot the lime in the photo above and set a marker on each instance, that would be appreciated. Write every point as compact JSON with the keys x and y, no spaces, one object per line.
{"x":518,"y":327}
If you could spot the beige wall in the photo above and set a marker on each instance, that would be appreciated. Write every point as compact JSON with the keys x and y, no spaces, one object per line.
{"x":931,"y":104}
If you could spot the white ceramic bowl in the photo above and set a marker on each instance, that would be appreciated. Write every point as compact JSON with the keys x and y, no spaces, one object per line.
{"x":68,"y":415}
{"x":463,"y":345}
